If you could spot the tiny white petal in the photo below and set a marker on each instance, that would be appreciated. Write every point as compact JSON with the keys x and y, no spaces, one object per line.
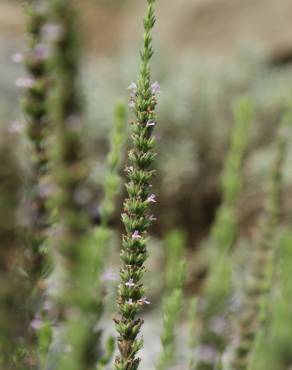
{"x":132,"y":86}
{"x":24,"y":82}
{"x":144,"y":300}
{"x":130,"y":283}
{"x":150,"y":123}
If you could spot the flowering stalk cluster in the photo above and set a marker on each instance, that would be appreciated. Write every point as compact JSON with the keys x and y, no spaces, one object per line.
{"x":103,"y":233}
{"x":35,"y":107}
{"x":77,"y":299}
{"x":259,"y":274}
{"x":14,"y":289}
{"x":211,"y":341}
{"x":172,"y":308}
{"x":136,"y":217}
{"x":175,"y":274}
{"x":273,"y":349}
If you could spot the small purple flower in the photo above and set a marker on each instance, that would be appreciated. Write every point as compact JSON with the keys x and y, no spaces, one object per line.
{"x":130,"y":301}
{"x":150,"y":124}
{"x":136,"y":235}
{"x":130,"y":283}
{"x":133,"y":87}
{"x":155,"y":88}
{"x":151,"y":198}
{"x":36,"y":323}
{"x":143,"y":301}
{"x":17,"y":58}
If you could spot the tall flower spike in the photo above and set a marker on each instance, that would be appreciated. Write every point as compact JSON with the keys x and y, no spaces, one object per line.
{"x":211,"y":343}
{"x":103,"y":233}
{"x":136,"y":217}
{"x":35,"y":106}
{"x":75,"y":255}
{"x":172,"y":307}
{"x":259,"y":277}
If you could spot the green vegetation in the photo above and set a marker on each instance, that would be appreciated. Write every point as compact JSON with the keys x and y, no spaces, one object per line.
{"x":77,"y":208}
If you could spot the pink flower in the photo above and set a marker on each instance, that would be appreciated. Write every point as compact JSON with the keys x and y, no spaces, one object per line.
{"x":143,"y":301}
{"x":36,"y":323}
{"x":155,"y":88}
{"x":136,"y":235}
{"x":151,"y":198}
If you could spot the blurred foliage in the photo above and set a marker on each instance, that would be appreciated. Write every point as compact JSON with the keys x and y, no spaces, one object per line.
{"x":193,"y":134}
{"x":173,"y":304}
{"x":195,"y":118}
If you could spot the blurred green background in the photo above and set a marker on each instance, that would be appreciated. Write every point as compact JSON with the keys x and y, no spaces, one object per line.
{"x":207,"y":53}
